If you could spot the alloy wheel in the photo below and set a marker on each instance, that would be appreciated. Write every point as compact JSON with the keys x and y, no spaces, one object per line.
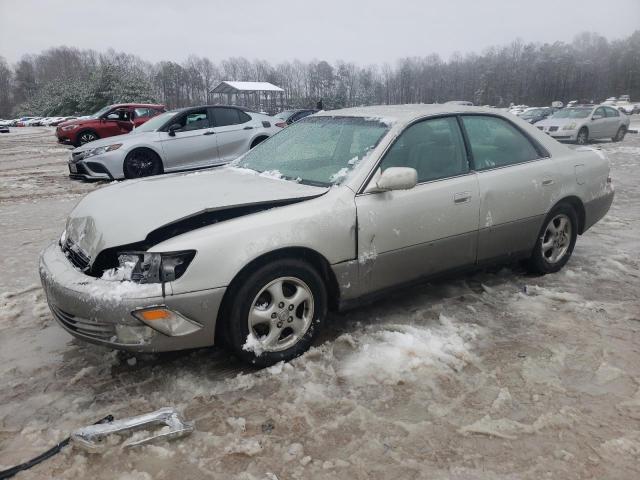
{"x":87,"y":137}
{"x":141,"y":165}
{"x":556,"y":238}
{"x":582,"y":137}
{"x":281,"y":314}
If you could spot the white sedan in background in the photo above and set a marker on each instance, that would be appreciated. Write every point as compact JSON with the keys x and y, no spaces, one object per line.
{"x":184,"y":139}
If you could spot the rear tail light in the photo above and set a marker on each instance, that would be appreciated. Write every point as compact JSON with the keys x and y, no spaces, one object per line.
{"x":281,"y":124}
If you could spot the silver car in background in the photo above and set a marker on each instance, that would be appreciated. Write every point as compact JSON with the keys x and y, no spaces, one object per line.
{"x":581,"y":124}
{"x":336,"y":209}
{"x":185,"y":139}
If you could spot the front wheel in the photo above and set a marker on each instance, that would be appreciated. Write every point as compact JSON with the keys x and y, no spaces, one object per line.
{"x":622,"y":131}
{"x":277,"y":312}
{"x":142,"y":163}
{"x":86,"y":137}
{"x":583,"y":137}
{"x":555,"y":242}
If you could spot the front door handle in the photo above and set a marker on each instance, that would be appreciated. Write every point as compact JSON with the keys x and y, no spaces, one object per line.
{"x":462,"y":197}
{"x":247,"y":128}
{"x":547,"y":182}
{"x":209,"y":132}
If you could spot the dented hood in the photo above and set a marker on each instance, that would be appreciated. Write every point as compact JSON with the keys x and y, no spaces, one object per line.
{"x":127,"y":212}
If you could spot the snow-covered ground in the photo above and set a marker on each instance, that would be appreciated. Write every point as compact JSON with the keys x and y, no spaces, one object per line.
{"x":497,"y":375}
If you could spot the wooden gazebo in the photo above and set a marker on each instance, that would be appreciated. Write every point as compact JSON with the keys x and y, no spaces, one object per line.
{"x":259,"y":96}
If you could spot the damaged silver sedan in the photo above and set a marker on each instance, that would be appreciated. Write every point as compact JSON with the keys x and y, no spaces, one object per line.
{"x":334,"y":210}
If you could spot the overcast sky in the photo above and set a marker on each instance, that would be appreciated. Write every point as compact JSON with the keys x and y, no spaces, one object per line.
{"x":371,"y":31}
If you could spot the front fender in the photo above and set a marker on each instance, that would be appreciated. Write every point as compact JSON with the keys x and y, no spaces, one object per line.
{"x":325,"y":224}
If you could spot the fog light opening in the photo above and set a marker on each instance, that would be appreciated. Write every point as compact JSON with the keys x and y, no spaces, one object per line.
{"x":166,"y":321}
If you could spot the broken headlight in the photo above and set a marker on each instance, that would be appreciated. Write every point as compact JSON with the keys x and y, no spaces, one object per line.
{"x":150,"y":267}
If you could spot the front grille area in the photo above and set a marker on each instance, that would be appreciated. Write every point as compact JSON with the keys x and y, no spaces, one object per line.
{"x":76,"y":256}
{"x":553,"y":129}
{"x":88,"y":328}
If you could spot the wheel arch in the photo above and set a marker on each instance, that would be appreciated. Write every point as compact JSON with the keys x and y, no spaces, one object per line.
{"x":314,"y":258}
{"x":578,"y":206}
{"x":258,"y":139}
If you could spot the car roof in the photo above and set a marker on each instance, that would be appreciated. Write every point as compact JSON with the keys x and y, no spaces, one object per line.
{"x":405,"y":113}
{"x":138,"y":105}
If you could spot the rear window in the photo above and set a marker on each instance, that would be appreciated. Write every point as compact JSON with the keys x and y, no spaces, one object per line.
{"x":229,"y":116}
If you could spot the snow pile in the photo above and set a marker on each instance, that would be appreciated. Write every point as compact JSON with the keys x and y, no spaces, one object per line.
{"x":400,"y":352}
{"x":253,"y":345}
{"x":123,"y":272}
{"x":339,"y":175}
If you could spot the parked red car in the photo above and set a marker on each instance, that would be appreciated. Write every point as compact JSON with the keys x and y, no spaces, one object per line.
{"x":110,"y":121}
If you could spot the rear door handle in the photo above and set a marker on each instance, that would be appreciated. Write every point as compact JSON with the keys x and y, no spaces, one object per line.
{"x":462,"y":197}
{"x":247,"y":128}
{"x":209,"y":132}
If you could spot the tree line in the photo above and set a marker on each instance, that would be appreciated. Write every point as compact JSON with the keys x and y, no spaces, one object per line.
{"x":67,"y":81}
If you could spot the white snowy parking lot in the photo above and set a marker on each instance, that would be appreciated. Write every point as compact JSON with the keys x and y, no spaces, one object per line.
{"x":497,"y":375}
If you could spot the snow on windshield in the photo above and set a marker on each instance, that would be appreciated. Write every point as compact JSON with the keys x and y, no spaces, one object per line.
{"x":318,"y":151}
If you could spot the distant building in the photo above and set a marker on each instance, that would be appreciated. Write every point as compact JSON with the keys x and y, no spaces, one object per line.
{"x":258,"y":96}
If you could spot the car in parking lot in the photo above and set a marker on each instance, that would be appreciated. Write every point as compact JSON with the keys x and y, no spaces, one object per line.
{"x":107,"y":122}
{"x":535,"y":114}
{"x":336,"y":209}
{"x":189,"y":138}
{"x":583,"y":123}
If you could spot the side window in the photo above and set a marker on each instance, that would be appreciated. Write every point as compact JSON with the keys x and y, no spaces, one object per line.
{"x":600,"y":111}
{"x":495,"y":142}
{"x":612,"y":112}
{"x":226,"y":116}
{"x":120,"y":115}
{"x":195,"y":120}
{"x":435,"y":148}
{"x":244,"y":117}
{"x":143,"y":112}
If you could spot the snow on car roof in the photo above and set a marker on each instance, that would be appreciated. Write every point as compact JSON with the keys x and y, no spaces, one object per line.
{"x":403,"y":113}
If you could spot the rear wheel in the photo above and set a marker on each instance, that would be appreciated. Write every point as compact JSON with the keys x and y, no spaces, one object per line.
{"x":142,"y":163}
{"x":622,"y":131}
{"x":583,"y":137}
{"x":86,"y":137}
{"x":555,"y":242}
{"x":276,"y":312}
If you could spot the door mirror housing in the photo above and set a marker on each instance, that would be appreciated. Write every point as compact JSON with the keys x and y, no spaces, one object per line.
{"x":113,"y":116}
{"x":173,"y":128}
{"x":393,"y":178}
{"x":597,"y":117}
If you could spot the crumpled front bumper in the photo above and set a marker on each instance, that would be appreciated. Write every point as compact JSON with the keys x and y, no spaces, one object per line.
{"x":99,"y":311}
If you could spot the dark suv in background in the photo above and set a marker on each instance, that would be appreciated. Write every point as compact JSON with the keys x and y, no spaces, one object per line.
{"x":107,"y":122}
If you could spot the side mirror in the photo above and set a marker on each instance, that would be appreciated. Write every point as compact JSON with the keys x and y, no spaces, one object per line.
{"x":113,"y":116}
{"x":173,"y":128}
{"x":393,"y":178}
{"x":596,"y":117}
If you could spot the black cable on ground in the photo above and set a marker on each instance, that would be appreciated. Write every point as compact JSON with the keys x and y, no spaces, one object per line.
{"x":48,"y":454}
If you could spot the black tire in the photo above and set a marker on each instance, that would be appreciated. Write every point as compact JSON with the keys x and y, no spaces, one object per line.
{"x":257,"y":141}
{"x":86,"y":137}
{"x":242,"y":303}
{"x":622,"y":131}
{"x":583,"y":136}
{"x":541,"y":261}
{"x":142,"y":163}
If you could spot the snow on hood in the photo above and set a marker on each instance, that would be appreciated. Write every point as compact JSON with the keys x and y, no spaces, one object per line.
{"x":127,"y":212}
